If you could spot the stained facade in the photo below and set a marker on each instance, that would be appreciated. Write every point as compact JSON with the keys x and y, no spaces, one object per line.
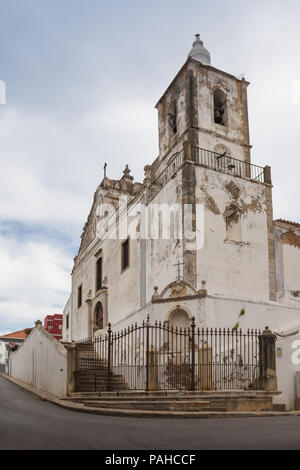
{"x":235,"y":257}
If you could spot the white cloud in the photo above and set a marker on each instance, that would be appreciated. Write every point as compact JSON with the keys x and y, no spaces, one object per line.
{"x":34,"y":280}
{"x":50,"y":166}
{"x":83,"y":100}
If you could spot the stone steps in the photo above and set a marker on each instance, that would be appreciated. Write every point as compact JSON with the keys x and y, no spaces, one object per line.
{"x":174,"y":401}
{"x":175,"y":394}
{"x":157,"y":406}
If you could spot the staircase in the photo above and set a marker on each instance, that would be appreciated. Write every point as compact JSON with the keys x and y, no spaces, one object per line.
{"x":170,"y":403}
{"x":92,"y":373}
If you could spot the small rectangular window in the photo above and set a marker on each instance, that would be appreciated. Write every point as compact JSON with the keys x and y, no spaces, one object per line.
{"x":99,"y":274}
{"x":125,"y":254}
{"x":79,"y":297}
{"x":67,"y":322}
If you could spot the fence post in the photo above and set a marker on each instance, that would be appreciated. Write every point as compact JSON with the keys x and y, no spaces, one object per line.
{"x":147,"y":352}
{"x":193,"y":382}
{"x":72,"y":367}
{"x":109,"y":365}
{"x":267,"y":355}
{"x":153,"y":384}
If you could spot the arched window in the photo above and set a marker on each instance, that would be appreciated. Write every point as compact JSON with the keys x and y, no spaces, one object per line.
{"x":99,"y":274}
{"x":99,"y":315}
{"x":179,"y":318}
{"x":220,"y":107}
{"x":172,"y":116}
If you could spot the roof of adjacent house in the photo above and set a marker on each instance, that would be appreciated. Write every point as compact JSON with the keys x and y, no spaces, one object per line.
{"x":287,"y":222}
{"x":16,"y":335}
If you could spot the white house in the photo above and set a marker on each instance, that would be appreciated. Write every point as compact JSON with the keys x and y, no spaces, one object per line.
{"x":8,"y":343}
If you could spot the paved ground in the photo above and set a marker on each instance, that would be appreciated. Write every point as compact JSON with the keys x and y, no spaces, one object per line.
{"x":29,"y":423}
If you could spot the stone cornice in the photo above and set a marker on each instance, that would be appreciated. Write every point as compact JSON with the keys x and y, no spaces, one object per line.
{"x":205,"y":67}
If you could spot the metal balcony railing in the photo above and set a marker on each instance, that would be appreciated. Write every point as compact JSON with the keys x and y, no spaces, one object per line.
{"x":226,"y":164}
{"x":170,"y":170}
{"x":212,"y":160}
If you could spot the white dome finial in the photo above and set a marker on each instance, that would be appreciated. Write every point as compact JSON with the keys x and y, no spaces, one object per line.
{"x":199,"y":52}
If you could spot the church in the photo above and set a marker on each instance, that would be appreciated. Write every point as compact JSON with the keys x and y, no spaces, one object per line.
{"x":197,"y":237}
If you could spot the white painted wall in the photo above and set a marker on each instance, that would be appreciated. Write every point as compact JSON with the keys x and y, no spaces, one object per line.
{"x":41,"y":362}
{"x":3,"y":353}
{"x":233,"y":267}
{"x":66,"y":332}
{"x":288,"y":363}
{"x":291,"y":267}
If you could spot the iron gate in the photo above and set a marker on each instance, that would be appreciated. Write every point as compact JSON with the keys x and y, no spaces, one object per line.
{"x":162,"y":357}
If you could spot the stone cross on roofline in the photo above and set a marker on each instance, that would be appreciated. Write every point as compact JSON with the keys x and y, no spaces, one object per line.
{"x":179,"y":277}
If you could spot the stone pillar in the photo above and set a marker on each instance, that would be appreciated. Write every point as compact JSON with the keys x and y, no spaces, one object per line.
{"x":205,"y":367}
{"x":90,"y":314}
{"x":267,"y":175}
{"x":271,"y":245}
{"x":189,"y":211}
{"x":153,"y":384}
{"x":71,"y":365}
{"x":187,"y":151}
{"x":246,"y":133}
{"x":267,"y":357}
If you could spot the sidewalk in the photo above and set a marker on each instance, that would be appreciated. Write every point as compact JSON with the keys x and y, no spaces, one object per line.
{"x":63,"y":402}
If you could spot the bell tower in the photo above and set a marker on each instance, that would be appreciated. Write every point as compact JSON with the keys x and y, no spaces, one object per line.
{"x":205,"y":106}
{"x":204,"y":136}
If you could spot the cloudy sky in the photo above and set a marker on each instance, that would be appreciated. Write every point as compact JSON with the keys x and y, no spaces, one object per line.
{"x":82,"y":80}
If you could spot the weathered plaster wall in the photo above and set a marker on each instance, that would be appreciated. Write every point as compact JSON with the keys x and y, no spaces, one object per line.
{"x":3,"y":353}
{"x":291,"y":266}
{"x":66,"y":332}
{"x":162,"y":255}
{"x":174,"y":101}
{"x":220,"y":311}
{"x":192,"y":91}
{"x":235,"y":134}
{"x":235,"y":261}
{"x":287,"y":248}
{"x":123,"y":287}
{"x":288,"y":363}
{"x":42,"y":362}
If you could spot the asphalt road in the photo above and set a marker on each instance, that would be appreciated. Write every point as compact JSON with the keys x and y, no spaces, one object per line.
{"x":26,"y":422}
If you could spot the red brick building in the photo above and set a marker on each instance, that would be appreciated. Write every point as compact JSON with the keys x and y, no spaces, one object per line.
{"x":53,"y":324}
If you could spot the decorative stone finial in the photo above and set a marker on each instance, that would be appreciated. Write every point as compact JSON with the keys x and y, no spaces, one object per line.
{"x":267,"y":331}
{"x":90,"y":295}
{"x":199,"y":52}
{"x":203,"y":290}
{"x":155,"y":296}
{"x":127,"y":171}
{"x":148,"y":175}
{"x":126,"y":174}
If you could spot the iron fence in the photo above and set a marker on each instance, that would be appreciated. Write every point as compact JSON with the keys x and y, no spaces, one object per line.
{"x":162,"y":357}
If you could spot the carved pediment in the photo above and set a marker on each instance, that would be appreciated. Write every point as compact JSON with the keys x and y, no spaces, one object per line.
{"x":177,"y":290}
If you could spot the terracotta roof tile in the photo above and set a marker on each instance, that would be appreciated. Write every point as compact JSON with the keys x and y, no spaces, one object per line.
{"x":287,"y":222}
{"x":16,"y":335}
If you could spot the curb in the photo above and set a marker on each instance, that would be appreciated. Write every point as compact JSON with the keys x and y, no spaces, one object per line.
{"x":45,"y":396}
